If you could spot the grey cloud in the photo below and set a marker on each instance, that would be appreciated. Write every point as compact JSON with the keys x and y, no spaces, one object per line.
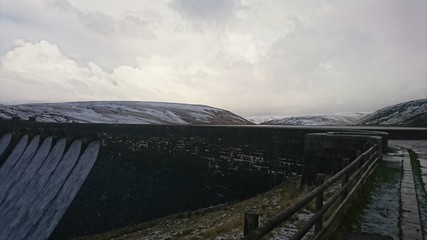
{"x":13,"y":18}
{"x":129,"y":24}
{"x":206,"y":10}
{"x":340,"y":62}
{"x":97,"y":22}
{"x":272,"y":57}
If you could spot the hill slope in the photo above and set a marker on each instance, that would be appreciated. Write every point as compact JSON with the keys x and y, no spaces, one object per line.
{"x":122,"y":112}
{"x":341,"y":119}
{"x":410,"y":114}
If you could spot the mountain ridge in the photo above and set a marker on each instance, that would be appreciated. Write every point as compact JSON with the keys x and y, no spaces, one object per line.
{"x":340,"y":119}
{"x":123,"y":112}
{"x":410,"y":114}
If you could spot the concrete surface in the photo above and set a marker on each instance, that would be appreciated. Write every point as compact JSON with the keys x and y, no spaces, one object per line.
{"x":411,"y":221}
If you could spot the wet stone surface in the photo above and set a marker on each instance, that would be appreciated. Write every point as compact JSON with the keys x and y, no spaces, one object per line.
{"x":367,"y":236}
{"x":412,"y":207}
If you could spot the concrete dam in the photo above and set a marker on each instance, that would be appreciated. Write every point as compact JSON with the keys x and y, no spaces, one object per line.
{"x":38,"y":181}
{"x":60,"y":181}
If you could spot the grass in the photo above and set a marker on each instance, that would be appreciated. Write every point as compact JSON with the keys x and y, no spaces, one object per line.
{"x":416,"y":169}
{"x":369,"y":204}
{"x":267,"y":205}
{"x":225,"y":220}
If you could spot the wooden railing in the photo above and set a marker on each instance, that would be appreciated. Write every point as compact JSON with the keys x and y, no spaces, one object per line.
{"x":351,"y":176}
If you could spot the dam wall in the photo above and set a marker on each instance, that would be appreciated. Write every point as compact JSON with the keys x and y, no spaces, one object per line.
{"x":146,"y":172}
{"x":39,"y":179}
{"x":325,"y":152}
{"x":143,"y":172}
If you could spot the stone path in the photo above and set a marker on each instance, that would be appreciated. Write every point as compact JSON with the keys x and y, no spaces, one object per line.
{"x":410,"y":220}
{"x":420,"y":148}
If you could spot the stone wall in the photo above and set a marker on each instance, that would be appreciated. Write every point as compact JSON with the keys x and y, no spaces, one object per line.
{"x":324,"y":152}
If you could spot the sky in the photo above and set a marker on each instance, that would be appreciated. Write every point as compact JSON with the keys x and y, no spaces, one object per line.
{"x":252,"y":57}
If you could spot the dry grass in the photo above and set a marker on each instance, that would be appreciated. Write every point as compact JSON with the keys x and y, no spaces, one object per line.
{"x":221,"y":222}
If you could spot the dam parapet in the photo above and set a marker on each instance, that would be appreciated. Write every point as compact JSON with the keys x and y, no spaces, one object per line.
{"x":325,"y":152}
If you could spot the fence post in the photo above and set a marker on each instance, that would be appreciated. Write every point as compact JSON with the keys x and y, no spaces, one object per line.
{"x":319,"y":202}
{"x":345,"y":162}
{"x":251,"y":222}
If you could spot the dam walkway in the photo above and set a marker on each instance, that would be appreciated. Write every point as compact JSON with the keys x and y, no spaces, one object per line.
{"x":396,"y":208}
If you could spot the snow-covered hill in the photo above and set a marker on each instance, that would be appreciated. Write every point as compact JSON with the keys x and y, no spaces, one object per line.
{"x":412,"y":113}
{"x":262,"y":119}
{"x":122,"y":112}
{"x":341,"y":119}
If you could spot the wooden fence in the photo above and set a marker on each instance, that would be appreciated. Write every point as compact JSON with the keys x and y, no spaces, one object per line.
{"x":352,"y":176}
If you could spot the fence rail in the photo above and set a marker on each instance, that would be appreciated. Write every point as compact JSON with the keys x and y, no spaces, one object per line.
{"x":352,"y":176}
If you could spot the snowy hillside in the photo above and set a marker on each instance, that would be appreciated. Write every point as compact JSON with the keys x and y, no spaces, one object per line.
{"x":342,"y":119}
{"x":122,"y":112}
{"x":262,"y":119}
{"x":412,"y":113}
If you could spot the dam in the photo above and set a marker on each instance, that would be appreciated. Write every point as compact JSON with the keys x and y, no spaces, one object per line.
{"x":61,"y":181}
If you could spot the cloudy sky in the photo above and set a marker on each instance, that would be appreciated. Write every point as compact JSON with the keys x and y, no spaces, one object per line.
{"x":253,"y":57}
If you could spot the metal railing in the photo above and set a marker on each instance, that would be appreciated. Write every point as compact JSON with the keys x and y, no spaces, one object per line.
{"x":352,"y":176}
